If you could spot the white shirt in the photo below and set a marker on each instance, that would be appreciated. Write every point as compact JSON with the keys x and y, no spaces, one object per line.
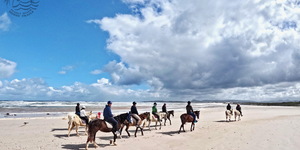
{"x":82,"y":113}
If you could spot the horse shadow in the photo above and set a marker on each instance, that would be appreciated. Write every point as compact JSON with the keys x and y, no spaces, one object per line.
{"x":80,"y":146}
{"x":59,"y":129}
{"x":224,"y":121}
{"x":63,"y":135}
{"x":170,"y":133}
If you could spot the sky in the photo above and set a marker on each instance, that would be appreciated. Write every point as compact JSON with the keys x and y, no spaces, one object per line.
{"x":125,"y":50}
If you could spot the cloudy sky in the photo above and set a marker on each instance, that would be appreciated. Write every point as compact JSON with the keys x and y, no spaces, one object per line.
{"x":151,"y":50}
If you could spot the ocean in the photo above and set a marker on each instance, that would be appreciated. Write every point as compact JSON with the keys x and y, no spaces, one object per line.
{"x":42,"y":108}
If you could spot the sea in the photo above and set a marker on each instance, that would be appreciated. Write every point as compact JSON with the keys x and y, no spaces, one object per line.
{"x":50,"y":108}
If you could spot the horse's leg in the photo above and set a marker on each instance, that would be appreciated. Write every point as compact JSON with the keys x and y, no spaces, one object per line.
{"x":77,"y":126}
{"x":127,"y":130}
{"x":165,"y":121}
{"x":86,"y":126}
{"x":115,"y":137}
{"x":159,"y":125}
{"x":180,"y":128}
{"x":192,"y":126}
{"x":149,"y":125}
{"x":156,"y":125}
{"x":121,"y":129}
{"x":70,"y":129}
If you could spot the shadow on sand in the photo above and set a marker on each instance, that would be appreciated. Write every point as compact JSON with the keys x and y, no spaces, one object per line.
{"x":59,"y":129}
{"x":224,"y":121}
{"x":170,"y":133}
{"x":81,"y":146}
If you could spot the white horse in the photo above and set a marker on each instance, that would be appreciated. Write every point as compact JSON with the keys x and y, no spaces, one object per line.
{"x":237,"y":114}
{"x":152,"y":118}
{"x":228,"y":114}
{"x":75,"y":121}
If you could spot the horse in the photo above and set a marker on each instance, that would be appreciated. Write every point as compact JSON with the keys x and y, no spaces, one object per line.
{"x":228,"y":114}
{"x":143,"y":116}
{"x":188,"y":118}
{"x":152,"y":118}
{"x":237,"y":114}
{"x":75,"y":121}
{"x":100,"y":124}
{"x":169,"y":113}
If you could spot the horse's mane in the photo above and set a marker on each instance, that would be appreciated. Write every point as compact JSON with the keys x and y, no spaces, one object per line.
{"x":122,"y":117}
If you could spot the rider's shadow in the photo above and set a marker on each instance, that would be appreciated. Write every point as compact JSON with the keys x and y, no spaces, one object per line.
{"x":170,"y":133}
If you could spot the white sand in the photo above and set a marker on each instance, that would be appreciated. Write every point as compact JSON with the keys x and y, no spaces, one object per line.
{"x":272,"y":128}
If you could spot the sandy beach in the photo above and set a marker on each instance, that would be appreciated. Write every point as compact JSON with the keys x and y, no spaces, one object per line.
{"x":261,"y":127}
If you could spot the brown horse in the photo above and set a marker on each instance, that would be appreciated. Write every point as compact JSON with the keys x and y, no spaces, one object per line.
{"x":143,"y":116}
{"x":100,"y":124}
{"x":188,"y":118}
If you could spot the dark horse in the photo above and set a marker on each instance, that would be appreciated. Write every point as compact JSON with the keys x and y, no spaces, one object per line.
{"x":188,"y":118}
{"x":143,"y":116}
{"x":171,"y":112}
{"x":100,"y":124}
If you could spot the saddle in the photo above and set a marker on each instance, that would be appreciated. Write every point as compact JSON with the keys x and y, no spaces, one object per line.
{"x":109,"y":125}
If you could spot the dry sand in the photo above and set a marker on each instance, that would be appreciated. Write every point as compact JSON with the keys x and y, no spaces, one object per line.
{"x":262,"y":127}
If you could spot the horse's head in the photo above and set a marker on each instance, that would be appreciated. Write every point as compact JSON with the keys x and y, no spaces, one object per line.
{"x":197,"y":113}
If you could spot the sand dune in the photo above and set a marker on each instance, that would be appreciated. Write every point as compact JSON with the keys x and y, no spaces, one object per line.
{"x":262,"y":127}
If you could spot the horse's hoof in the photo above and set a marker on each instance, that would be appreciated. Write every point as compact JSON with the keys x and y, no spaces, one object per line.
{"x":110,"y":141}
{"x":115,"y":144}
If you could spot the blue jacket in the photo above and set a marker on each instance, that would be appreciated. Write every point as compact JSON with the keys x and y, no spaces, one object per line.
{"x":107,"y":112}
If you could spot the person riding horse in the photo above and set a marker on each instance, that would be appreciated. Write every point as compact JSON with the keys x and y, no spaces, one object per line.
{"x":190,"y":111}
{"x":228,"y":107}
{"x":77,"y":109}
{"x":164,"y":108}
{"x":108,"y":116}
{"x":135,"y":113}
{"x":154,"y":111}
{"x":83,"y":115}
{"x":238,"y":108}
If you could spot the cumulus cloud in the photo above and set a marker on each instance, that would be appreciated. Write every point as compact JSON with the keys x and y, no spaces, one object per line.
{"x":4,"y":22}
{"x":190,"y":46}
{"x":103,"y":89}
{"x":7,"y":68}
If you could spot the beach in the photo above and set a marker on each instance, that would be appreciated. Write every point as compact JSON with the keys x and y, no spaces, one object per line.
{"x":261,"y":127}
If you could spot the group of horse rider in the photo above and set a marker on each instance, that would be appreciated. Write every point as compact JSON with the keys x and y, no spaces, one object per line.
{"x":238,"y":108}
{"x":108,"y":116}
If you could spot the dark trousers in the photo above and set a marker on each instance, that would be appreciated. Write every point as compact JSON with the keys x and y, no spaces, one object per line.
{"x":156,"y":115}
{"x":113,"y":122}
{"x":86,"y":119}
{"x":194,"y":116}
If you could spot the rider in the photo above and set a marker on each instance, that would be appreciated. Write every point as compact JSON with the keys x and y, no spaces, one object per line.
{"x":83,"y":115}
{"x":238,"y":108}
{"x":154,"y":111}
{"x":135,"y":114}
{"x":164,"y":108}
{"x":190,"y":111}
{"x":108,"y":116}
{"x":228,"y":107}
{"x":77,"y":109}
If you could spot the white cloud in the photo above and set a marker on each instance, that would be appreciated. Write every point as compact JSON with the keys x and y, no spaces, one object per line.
{"x":96,"y":72}
{"x":66,"y":69}
{"x":7,"y":68}
{"x":190,"y":47}
{"x":4,"y":22}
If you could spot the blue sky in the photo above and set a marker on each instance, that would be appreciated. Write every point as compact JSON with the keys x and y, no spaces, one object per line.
{"x":151,"y":49}
{"x":57,"y":36}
